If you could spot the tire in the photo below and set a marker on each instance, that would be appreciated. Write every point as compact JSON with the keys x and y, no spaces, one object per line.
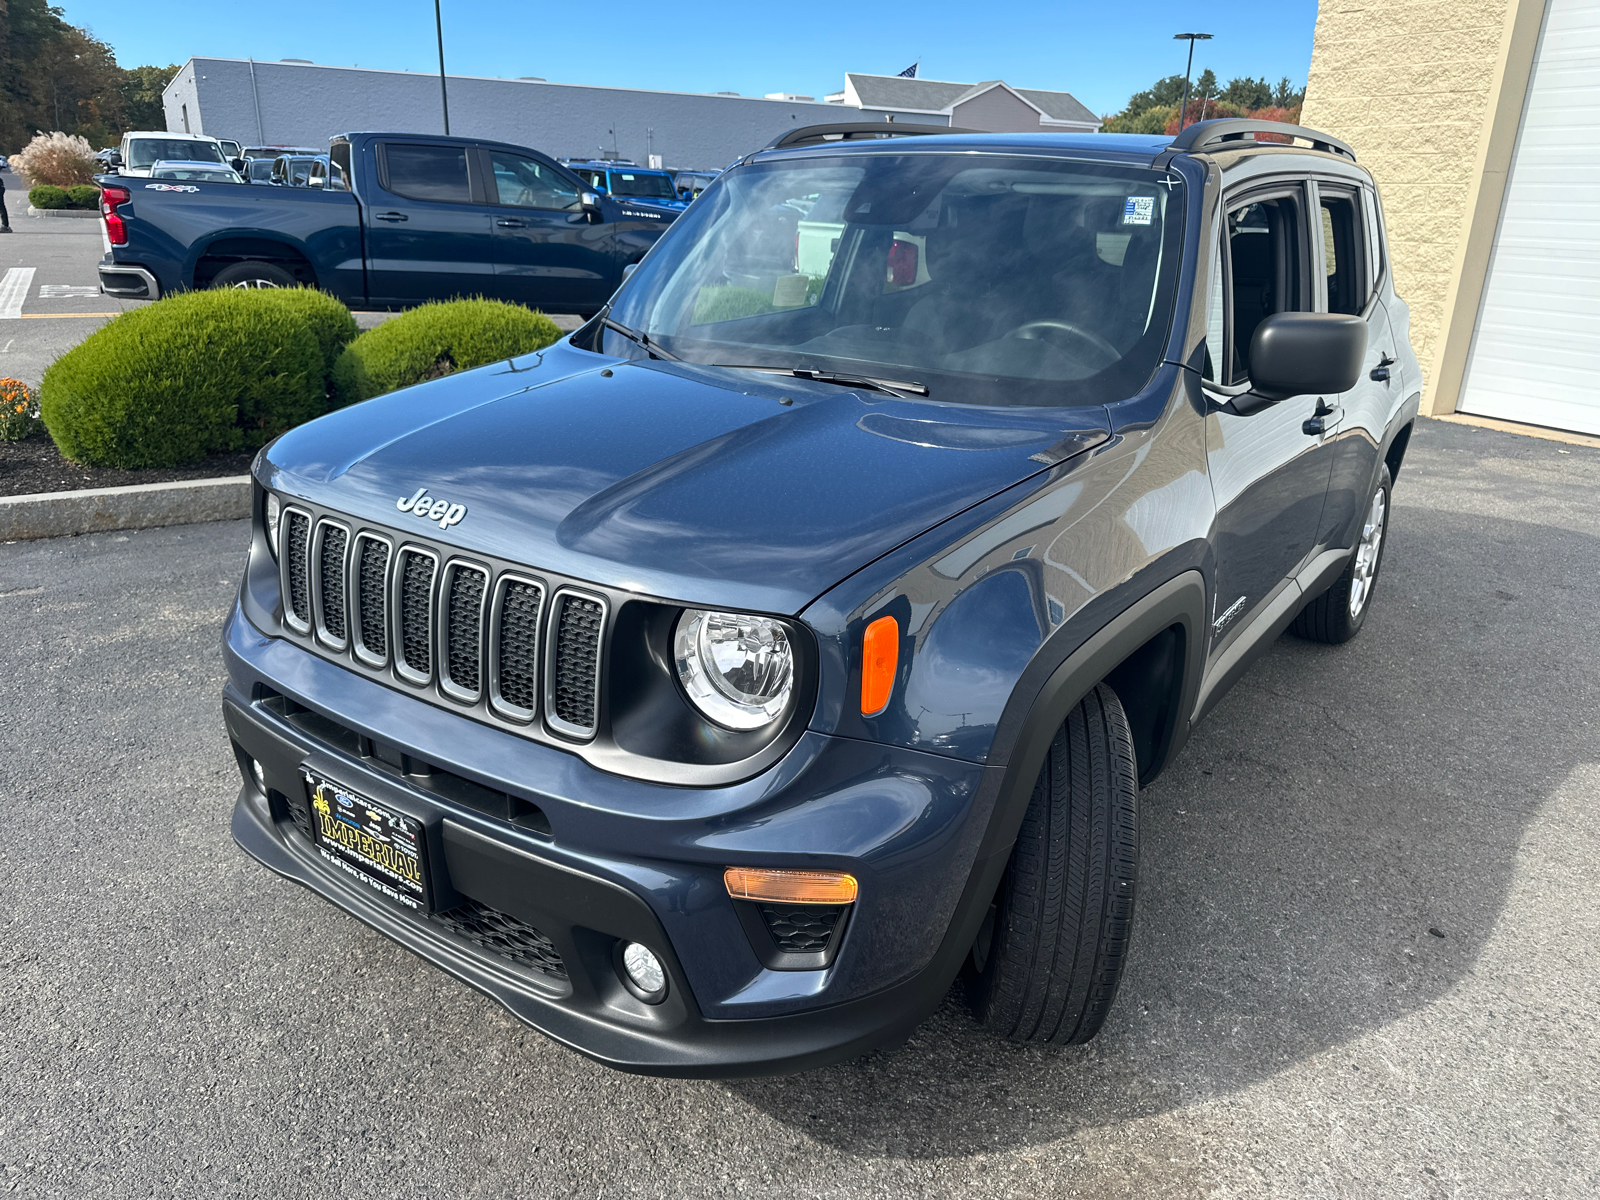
{"x":1051,"y":952}
{"x":253,"y":274}
{"x":1339,"y":612}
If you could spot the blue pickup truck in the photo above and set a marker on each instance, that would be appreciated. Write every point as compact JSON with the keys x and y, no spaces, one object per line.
{"x":402,"y":219}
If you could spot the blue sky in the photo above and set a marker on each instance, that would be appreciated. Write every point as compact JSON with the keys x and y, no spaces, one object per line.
{"x":1100,"y":52}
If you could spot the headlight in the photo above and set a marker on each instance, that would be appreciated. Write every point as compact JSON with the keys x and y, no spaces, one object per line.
{"x":274,"y":508}
{"x":738,"y":670}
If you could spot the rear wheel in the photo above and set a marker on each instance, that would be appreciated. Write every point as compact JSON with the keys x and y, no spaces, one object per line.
{"x":1339,"y":612}
{"x":1051,"y":952}
{"x":253,"y":274}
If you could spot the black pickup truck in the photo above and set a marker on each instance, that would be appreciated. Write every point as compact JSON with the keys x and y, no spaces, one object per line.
{"x":403,"y":218}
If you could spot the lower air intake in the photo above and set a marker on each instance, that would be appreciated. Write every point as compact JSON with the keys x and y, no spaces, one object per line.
{"x":801,"y":929}
{"x":506,"y":936}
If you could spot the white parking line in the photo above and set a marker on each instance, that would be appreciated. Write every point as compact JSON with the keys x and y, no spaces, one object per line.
{"x":14,"y":290}
{"x":66,"y":291}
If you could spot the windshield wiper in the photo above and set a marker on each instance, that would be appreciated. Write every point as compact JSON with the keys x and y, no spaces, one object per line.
{"x":653,"y":349}
{"x":894,"y":387}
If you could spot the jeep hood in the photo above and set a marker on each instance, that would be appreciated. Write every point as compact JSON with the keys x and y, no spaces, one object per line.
{"x":683,"y":482}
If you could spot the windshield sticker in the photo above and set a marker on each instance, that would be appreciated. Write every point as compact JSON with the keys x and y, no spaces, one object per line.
{"x":790,"y":291}
{"x":171,"y":187}
{"x":1138,"y":210}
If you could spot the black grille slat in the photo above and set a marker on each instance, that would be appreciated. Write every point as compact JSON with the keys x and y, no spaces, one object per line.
{"x":331,"y":571}
{"x":801,"y":930}
{"x":465,"y":630}
{"x":504,"y":935}
{"x":416,"y":597}
{"x":577,"y":655}
{"x":372,"y":583}
{"x":297,"y":552}
{"x":519,"y":644}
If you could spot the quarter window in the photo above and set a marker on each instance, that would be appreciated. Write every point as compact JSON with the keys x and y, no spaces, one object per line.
{"x":427,"y":172}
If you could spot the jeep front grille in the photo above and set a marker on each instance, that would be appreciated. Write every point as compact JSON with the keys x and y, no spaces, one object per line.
{"x":296,"y":560}
{"x":509,"y":643}
{"x":575,"y":680}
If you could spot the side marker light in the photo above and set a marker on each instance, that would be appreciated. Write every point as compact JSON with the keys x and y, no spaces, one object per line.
{"x":880,"y":655}
{"x":785,"y":886}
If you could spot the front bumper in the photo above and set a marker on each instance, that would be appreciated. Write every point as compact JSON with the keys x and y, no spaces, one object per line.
{"x":613,"y":860}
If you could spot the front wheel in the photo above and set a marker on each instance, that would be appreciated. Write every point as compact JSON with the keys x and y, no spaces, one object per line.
{"x":253,"y":275}
{"x":1339,"y":612}
{"x":1051,"y":952}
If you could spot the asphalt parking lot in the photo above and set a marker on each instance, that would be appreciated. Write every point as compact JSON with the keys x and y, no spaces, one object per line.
{"x":1366,"y":962}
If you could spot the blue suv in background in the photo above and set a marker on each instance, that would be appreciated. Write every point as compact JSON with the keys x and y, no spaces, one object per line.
{"x":625,"y":181}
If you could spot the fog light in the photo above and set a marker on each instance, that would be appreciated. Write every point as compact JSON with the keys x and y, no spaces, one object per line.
{"x":644,"y":971}
{"x":260,"y":775}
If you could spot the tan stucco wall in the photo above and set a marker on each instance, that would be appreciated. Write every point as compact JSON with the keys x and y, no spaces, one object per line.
{"x":1429,"y":94}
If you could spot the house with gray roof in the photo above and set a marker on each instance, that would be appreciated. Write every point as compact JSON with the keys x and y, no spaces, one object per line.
{"x":993,"y":106}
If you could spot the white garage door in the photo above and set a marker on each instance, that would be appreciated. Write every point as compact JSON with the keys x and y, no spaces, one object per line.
{"x":1535,"y":353}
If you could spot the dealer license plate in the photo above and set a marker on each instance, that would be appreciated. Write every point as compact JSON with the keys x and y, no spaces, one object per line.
{"x":368,"y":840}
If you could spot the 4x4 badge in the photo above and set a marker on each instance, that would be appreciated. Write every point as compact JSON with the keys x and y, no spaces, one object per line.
{"x":429,"y":509}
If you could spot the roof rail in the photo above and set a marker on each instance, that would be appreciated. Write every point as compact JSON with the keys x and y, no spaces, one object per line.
{"x":1223,"y":132}
{"x":860,"y":131}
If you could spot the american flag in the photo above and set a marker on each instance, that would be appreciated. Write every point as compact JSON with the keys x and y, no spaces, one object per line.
{"x":911,"y":71}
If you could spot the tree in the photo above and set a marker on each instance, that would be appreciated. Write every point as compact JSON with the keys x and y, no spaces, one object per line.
{"x":1246,"y":94}
{"x":1155,"y":110}
{"x":1284,"y":95}
{"x":141,"y":89}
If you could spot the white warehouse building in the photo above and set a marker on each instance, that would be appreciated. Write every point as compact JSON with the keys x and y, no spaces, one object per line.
{"x":303,"y":104}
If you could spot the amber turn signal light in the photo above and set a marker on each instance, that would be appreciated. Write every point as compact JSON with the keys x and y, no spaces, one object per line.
{"x":784,"y":886}
{"x":880,"y":655}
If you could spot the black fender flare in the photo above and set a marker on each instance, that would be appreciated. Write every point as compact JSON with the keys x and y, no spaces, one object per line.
{"x":1039,"y":704}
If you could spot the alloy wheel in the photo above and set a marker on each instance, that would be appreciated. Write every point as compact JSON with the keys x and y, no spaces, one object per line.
{"x":1366,"y":568}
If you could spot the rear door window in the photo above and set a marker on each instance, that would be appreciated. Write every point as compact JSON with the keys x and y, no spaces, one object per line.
{"x":421,"y":172}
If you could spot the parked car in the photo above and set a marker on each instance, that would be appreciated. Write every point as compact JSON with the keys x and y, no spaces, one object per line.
{"x":626,"y":181}
{"x":689,"y":184}
{"x":272,"y":152}
{"x":5,"y":163}
{"x":258,"y":170}
{"x":195,"y":172}
{"x":231,"y":149}
{"x":140,"y":151}
{"x":292,"y":170}
{"x":715,"y":687}
{"x":428,"y":218}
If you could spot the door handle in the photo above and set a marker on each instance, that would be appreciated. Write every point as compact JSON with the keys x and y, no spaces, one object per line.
{"x":1321,"y":421}
{"x":511,"y":223}
{"x":1380,"y":373}
{"x":391,"y":216}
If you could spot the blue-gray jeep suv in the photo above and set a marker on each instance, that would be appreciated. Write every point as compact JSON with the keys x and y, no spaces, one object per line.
{"x":717,"y":686}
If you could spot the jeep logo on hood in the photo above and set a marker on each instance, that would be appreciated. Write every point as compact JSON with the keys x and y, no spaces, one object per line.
{"x":425,"y":506}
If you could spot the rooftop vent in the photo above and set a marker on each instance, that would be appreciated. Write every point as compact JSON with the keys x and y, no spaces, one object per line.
{"x":790,"y":96}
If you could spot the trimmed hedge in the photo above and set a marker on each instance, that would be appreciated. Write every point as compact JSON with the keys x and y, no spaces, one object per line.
{"x":84,"y":195}
{"x":48,"y":195}
{"x":437,"y":339}
{"x":330,"y":321}
{"x":193,"y":374}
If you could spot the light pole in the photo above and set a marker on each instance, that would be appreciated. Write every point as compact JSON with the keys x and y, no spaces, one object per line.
{"x":1191,"y":38}
{"x":444,"y":95}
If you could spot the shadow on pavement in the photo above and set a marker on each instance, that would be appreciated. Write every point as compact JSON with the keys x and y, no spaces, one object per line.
{"x":1329,"y":853}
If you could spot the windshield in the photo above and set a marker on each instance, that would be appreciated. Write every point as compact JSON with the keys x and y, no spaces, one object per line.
{"x":198,"y":174}
{"x":645,"y":186}
{"x":986,"y":279}
{"x":144,"y":152}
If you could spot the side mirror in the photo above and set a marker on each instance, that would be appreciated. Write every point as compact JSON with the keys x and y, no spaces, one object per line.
{"x":237,"y":164}
{"x":1295,"y":353}
{"x":629,"y":270}
{"x":115,"y":158}
{"x":590,"y":203}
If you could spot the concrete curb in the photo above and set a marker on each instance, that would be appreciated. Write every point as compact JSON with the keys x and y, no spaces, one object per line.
{"x":85,"y":213}
{"x":142,"y":506}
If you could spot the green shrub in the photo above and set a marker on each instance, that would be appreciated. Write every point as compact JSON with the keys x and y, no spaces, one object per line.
{"x":84,"y":195}
{"x":190,"y":375}
{"x":437,"y":339}
{"x":48,"y":195}
{"x":330,"y":321}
